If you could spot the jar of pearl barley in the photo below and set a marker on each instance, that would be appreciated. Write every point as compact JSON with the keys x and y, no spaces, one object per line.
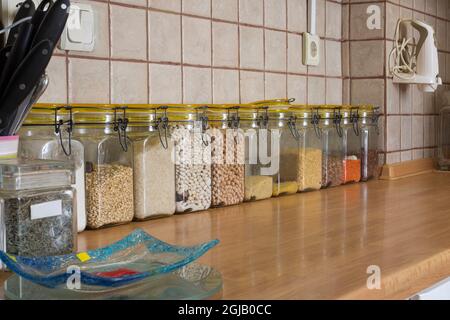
{"x":227,"y":155}
{"x":108,"y":156}
{"x":188,"y":126}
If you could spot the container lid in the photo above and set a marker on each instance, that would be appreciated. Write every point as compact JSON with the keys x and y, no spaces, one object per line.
{"x":329,"y":111}
{"x":303,"y":111}
{"x":24,"y":174}
{"x":94,"y":113}
{"x":186,"y":112}
{"x":143,"y":114}
{"x":367,"y":110}
{"x":270,"y":109}
{"x":46,"y":114}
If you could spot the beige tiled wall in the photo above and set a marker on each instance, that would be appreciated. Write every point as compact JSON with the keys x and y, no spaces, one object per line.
{"x":409,"y":117}
{"x":201,"y":51}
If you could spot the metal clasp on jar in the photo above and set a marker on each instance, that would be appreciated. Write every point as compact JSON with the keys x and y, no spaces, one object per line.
{"x":120,"y":125}
{"x":203,"y":118}
{"x":233,"y":118}
{"x":354,"y":120}
{"x":162,"y":123}
{"x":315,"y":121}
{"x":337,"y":118}
{"x":69,"y":123}
{"x":293,"y":127}
{"x":263,"y":119}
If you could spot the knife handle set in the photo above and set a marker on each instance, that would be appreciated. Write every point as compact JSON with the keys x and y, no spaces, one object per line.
{"x":24,"y":58}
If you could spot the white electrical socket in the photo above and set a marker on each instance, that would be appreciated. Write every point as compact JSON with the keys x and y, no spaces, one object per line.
{"x":311,"y":49}
{"x":79,"y":33}
{"x":10,"y":8}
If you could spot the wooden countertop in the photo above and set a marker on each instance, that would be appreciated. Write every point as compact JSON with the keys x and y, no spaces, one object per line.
{"x":319,"y":245}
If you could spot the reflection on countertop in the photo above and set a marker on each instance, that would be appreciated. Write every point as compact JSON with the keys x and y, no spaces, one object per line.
{"x":318,"y":245}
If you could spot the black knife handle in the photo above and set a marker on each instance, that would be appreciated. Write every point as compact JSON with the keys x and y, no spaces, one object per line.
{"x":54,"y":21}
{"x":23,"y":82}
{"x":39,"y":15}
{"x":27,"y":9}
{"x":4,"y":52}
{"x":18,"y":52}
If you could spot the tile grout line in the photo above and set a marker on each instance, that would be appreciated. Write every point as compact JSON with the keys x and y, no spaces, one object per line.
{"x":325,"y":55}
{"x":109,"y":51}
{"x":181,"y":54}
{"x":385,"y":89}
{"x":211,"y":52}
{"x":307,"y":67}
{"x":349,"y":54}
{"x":264,"y":48}
{"x":286,"y":49}
{"x":239,"y":49}
{"x":147,"y":22}
{"x":66,"y":59}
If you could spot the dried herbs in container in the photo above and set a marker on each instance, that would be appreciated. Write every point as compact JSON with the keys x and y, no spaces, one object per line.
{"x":38,"y":216}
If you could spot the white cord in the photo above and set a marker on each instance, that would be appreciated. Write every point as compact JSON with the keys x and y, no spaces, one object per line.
{"x":14,"y":24}
{"x":405,"y":57}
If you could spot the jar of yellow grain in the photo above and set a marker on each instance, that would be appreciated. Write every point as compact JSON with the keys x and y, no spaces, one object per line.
{"x":308,"y":132}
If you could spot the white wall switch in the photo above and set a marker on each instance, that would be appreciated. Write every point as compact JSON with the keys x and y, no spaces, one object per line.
{"x":79,"y":33}
{"x":311,"y":49}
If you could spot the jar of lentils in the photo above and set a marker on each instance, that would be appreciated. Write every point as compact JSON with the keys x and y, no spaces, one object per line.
{"x":333,"y":154}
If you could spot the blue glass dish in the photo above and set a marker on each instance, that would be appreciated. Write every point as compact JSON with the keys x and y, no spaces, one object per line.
{"x":135,"y":257}
{"x":191,"y":282}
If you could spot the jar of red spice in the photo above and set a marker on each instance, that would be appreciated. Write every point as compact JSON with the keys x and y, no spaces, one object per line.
{"x":351,"y":144}
{"x":369,"y":131}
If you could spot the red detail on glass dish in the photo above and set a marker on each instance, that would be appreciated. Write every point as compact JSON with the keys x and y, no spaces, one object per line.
{"x":117,"y":273}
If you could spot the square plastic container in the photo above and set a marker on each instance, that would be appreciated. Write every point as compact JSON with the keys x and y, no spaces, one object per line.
{"x":37,"y":207}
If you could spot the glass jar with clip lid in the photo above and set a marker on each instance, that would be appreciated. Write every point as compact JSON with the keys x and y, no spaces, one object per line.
{"x":351,"y":144}
{"x":369,"y":132}
{"x":102,"y":129}
{"x":47,"y":134}
{"x":227,"y":155}
{"x":282,"y":146}
{"x":333,"y":152}
{"x":309,"y":136}
{"x":154,"y":169}
{"x":254,"y":121}
{"x":188,"y":129}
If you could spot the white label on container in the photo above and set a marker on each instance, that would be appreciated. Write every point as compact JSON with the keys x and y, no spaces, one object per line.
{"x":46,"y":209}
